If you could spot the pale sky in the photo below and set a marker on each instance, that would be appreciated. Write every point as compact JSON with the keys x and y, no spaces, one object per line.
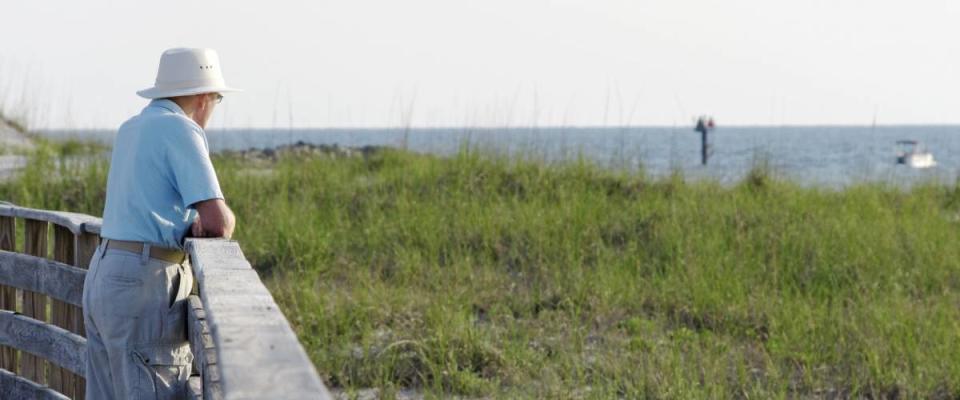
{"x":495,"y":62}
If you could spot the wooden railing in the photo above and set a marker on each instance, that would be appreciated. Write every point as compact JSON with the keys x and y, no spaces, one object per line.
{"x":243,"y":346}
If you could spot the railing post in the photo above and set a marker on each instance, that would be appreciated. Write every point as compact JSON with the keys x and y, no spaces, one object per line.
{"x":8,"y":295}
{"x":34,"y":304}
{"x":63,"y":314}
{"x":86,"y":246}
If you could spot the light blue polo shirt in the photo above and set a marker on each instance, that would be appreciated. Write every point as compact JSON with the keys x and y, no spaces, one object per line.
{"x":159,"y":169}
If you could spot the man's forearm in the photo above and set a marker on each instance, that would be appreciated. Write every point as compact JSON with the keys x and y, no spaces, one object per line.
{"x":216,"y":218}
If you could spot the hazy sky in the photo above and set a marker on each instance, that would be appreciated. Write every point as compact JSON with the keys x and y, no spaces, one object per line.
{"x":495,"y":62}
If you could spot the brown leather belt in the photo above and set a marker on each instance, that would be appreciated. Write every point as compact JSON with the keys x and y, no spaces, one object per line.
{"x":159,"y":253}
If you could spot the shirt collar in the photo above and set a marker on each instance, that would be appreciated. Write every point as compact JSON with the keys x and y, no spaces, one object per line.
{"x":167,"y":104}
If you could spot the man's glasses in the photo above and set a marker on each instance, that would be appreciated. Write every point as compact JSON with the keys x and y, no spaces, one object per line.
{"x":219,"y":97}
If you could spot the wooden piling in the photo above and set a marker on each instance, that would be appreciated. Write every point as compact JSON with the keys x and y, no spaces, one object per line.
{"x":63,"y":314}
{"x":84,"y":249}
{"x":8,"y":295}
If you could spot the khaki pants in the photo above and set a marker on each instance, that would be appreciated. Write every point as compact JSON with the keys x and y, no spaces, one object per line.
{"x":134,"y":309}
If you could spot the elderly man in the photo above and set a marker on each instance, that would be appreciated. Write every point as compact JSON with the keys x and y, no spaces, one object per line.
{"x":161,"y":188}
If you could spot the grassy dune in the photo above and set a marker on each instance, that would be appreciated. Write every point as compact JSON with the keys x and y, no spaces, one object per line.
{"x":479,"y":275}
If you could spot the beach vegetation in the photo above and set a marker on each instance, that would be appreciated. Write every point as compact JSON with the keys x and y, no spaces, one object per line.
{"x":483,"y":275}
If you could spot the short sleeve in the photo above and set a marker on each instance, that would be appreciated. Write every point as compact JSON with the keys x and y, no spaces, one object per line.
{"x":191,"y":168}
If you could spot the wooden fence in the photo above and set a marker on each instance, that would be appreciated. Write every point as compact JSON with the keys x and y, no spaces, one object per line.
{"x":243,"y":346}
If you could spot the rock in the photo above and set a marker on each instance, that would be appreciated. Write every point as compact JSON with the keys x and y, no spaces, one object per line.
{"x":303,"y":149}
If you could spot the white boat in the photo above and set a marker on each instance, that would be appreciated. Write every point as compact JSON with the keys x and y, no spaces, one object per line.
{"x":914,"y":155}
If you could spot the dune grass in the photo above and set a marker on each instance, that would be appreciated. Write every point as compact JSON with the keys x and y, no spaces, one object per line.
{"x":481,"y":275}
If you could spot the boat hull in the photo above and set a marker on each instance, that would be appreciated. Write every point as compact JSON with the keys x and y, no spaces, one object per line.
{"x":917,"y":160}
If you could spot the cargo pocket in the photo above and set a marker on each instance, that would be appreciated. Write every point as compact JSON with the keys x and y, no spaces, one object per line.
{"x":162,"y":371}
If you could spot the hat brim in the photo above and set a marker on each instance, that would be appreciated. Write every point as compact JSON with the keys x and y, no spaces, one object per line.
{"x":158,"y":93}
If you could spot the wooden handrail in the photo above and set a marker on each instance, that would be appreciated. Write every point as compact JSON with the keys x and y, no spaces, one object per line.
{"x":50,"y":342}
{"x":15,"y":387}
{"x":258,"y":354}
{"x":76,"y":223}
{"x":243,"y":346}
{"x":55,"y":279}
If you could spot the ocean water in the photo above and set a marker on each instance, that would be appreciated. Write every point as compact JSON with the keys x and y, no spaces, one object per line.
{"x":831,"y":156}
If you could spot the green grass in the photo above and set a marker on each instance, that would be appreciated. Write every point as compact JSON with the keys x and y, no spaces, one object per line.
{"x":480,"y":275}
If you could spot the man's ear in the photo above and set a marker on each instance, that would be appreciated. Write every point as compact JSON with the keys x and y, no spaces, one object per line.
{"x":201,"y":100}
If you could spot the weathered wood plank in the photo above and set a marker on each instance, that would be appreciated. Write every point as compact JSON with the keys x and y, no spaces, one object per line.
{"x":194,"y":388}
{"x":218,"y":254}
{"x":63,"y":314}
{"x":15,"y":387}
{"x":86,"y":245}
{"x":8,"y":233}
{"x":34,"y":274}
{"x":40,"y":339}
{"x":204,"y":350}
{"x":93,"y":226}
{"x":201,"y":343}
{"x":258,"y":355}
{"x":234,"y":281}
{"x":212,"y":384}
{"x":34,"y":304}
{"x":72,"y":221}
{"x":282,"y":369}
{"x":8,"y":294}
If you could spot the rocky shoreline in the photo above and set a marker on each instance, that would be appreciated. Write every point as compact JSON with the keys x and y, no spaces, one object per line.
{"x":303,"y":149}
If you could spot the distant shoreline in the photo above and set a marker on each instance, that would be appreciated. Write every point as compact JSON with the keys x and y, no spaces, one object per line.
{"x":832,"y":157}
{"x":59,"y":132}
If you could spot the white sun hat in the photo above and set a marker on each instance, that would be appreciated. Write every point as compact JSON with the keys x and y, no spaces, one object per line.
{"x":184,"y":72}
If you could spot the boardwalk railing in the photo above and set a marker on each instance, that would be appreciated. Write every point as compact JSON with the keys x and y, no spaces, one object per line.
{"x":243,"y":346}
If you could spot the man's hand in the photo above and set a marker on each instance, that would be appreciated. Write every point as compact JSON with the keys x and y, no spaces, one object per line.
{"x":196,"y":229}
{"x":215,"y":220}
